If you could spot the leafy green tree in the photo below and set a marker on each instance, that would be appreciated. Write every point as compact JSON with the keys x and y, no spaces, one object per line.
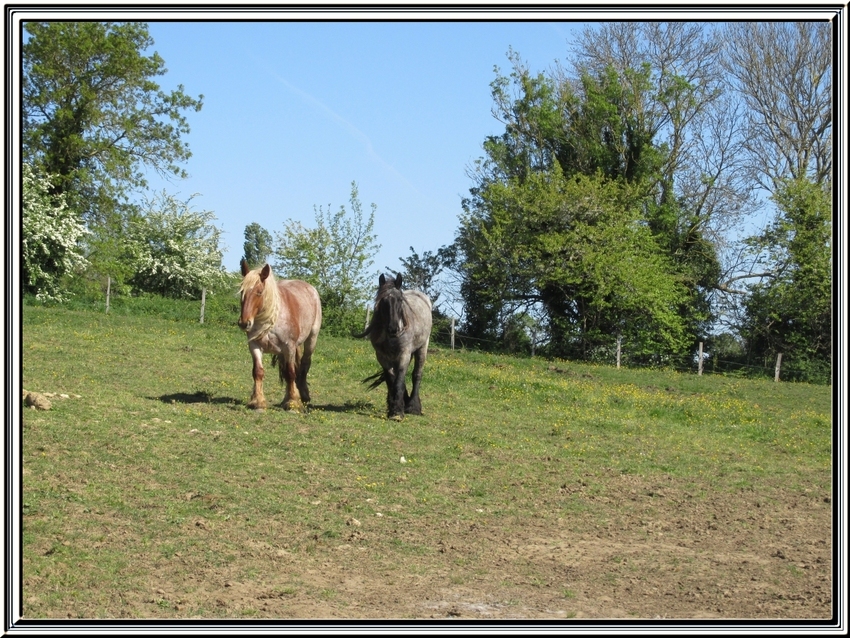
{"x":106,"y":251}
{"x":574,"y":250}
{"x":50,"y":232}
{"x":421,"y":272}
{"x":663,"y":79}
{"x":95,"y":117}
{"x":790,"y":311}
{"x":257,"y":246}
{"x":335,"y":256}
{"x":623,"y":124}
{"x":704,"y":185}
{"x":174,"y":250}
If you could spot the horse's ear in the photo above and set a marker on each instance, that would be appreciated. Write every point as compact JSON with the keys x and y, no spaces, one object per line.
{"x":382,"y":280}
{"x":265,"y":272}
{"x":398,"y":281}
{"x":245,"y":269}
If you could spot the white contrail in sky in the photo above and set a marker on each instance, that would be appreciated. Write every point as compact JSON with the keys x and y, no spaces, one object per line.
{"x":355,"y":132}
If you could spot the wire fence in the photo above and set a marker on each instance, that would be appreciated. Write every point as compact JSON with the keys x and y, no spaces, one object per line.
{"x":225,"y":307}
{"x":780,"y":370}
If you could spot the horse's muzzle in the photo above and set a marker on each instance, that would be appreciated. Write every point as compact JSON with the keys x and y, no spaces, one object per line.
{"x":394,"y":330}
{"x":245,"y":326}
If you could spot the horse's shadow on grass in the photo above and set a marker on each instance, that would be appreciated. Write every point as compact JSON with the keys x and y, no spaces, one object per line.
{"x":352,"y":407}
{"x":197,"y":397}
{"x":355,"y":407}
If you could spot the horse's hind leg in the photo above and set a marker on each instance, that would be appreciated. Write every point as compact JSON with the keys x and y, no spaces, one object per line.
{"x":287,"y":362}
{"x":304,"y":367}
{"x":413,"y":405}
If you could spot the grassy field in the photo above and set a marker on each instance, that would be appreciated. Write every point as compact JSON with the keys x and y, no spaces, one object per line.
{"x":151,"y":491}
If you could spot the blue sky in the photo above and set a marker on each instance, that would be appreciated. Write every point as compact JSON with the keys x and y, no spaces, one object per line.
{"x":294,"y":112}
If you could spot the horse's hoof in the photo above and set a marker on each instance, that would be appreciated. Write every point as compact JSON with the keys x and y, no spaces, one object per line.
{"x":259,"y":407}
{"x":293,"y":406}
{"x":396,"y":417}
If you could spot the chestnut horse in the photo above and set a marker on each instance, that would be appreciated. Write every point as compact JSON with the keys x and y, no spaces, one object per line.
{"x":282,"y":318}
{"x":399,"y":330}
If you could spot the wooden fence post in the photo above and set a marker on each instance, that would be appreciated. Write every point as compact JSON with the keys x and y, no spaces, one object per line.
{"x":203,"y":302}
{"x":778,"y":362}
{"x":108,"y":286}
{"x":699,"y":365}
{"x":453,"y":334}
{"x":618,"y":352}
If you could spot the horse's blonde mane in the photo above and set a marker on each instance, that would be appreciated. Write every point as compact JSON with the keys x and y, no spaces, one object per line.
{"x":267,"y":316}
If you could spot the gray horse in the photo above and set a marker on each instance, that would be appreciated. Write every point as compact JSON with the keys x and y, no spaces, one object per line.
{"x":399,"y":330}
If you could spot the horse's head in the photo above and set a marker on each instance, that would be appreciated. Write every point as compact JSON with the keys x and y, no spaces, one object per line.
{"x":390,"y":305}
{"x":253,"y":294}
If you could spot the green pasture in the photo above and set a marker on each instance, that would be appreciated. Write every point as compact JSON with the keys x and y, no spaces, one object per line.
{"x":155,"y":436}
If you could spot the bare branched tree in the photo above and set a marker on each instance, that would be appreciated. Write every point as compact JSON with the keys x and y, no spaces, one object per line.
{"x":783,"y":71}
{"x":781,"y":75}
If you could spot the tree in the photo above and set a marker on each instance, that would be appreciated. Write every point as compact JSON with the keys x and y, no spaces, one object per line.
{"x":174,"y":250}
{"x":700,"y":192}
{"x":783,"y":71}
{"x":627,"y":120}
{"x":93,"y":114}
{"x":782,"y":74}
{"x":257,"y":246}
{"x":668,"y":78}
{"x":50,"y":235}
{"x":335,"y":257}
{"x":790,"y":311}
{"x":421,"y":272}
{"x":574,"y":251}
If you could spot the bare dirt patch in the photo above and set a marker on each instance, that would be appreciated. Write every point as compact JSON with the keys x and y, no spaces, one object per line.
{"x":658,"y":551}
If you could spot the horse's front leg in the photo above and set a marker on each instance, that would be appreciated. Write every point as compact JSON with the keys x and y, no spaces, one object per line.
{"x":413,"y":405}
{"x":395,"y":407}
{"x":258,"y":399}
{"x":396,"y":394}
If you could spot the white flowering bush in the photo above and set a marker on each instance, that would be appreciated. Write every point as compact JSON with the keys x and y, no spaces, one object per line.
{"x":174,"y":250}
{"x":50,"y":234}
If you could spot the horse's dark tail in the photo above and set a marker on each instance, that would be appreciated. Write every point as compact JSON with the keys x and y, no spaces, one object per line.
{"x":278,"y":363}
{"x":370,"y":326}
{"x":365,"y":333}
{"x":376,"y":379}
